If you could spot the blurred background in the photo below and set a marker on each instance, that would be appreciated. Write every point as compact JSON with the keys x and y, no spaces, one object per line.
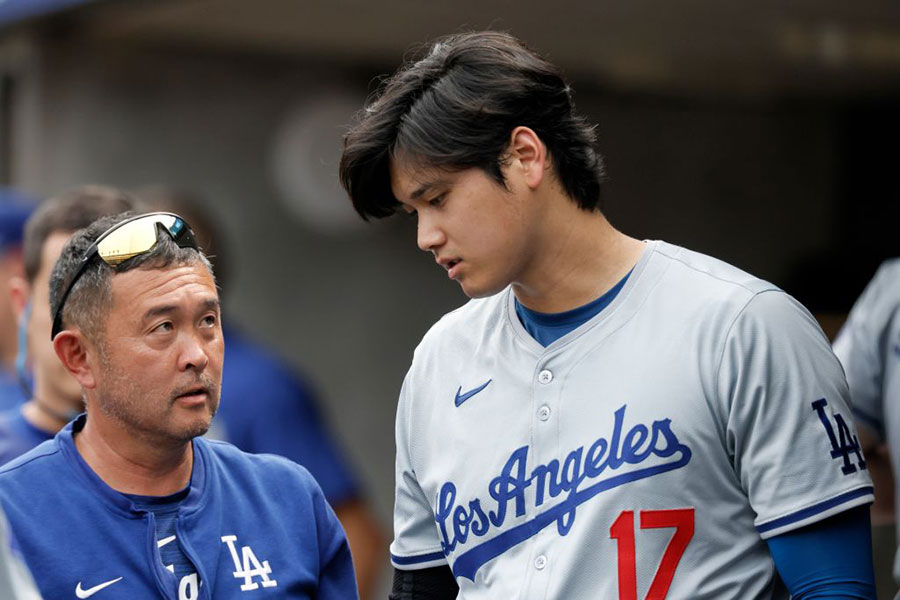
{"x":766,"y":135}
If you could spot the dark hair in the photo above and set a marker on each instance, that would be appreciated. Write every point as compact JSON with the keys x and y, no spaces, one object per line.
{"x":91,"y":295}
{"x":456,"y":108}
{"x":70,"y":211}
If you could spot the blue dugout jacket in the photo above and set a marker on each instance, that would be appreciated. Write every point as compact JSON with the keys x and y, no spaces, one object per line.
{"x":250,"y":524}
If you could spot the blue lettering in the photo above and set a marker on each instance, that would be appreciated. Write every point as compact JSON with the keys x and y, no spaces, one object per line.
{"x":551,"y":480}
{"x":482,"y":525}
{"x":540,"y":474}
{"x":446,"y":499}
{"x":594,"y":464}
{"x":633,"y":440}
{"x":664,"y":428}
{"x":508,"y":487}
{"x":614,"y":461}
{"x":461,"y":520}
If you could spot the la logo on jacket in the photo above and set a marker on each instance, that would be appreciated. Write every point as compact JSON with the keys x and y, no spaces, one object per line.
{"x":247,"y":566}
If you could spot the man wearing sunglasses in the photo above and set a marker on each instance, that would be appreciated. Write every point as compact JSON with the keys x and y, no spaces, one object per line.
{"x":127,"y":501}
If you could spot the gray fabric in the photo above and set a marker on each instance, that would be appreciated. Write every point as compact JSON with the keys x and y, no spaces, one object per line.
{"x":15,"y":579}
{"x":869,"y":348}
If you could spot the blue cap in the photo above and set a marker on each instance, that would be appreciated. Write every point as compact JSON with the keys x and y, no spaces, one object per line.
{"x":15,"y":208}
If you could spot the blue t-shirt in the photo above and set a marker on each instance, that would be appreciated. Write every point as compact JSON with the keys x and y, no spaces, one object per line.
{"x":546,"y":328}
{"x":18,"y":436}
{"x":268,"y":408}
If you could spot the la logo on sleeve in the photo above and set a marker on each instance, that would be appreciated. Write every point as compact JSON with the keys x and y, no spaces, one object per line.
{"x":843,"y":443}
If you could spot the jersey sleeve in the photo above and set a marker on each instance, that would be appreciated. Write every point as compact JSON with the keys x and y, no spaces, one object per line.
{"x":789,"y":433}
{"x":865,"y":343}
{"x":416,"y":544}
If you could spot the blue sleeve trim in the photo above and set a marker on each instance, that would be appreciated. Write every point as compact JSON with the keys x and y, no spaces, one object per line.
{"x":870,"y":421}
{"x":806,"y":513}
{"x":415,"y":560}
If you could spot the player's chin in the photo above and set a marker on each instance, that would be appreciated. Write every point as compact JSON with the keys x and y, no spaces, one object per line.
{"x":195,"y":420}
{"x":480,"y":291}
{"x":189,"y":429}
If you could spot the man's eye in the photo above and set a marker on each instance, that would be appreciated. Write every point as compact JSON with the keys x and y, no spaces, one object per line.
{"x":437,"y":201}
{"x":164,"y":327}
{"x":209,"y":321}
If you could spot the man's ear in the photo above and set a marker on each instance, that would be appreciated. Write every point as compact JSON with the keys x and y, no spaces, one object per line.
{"x":74,"y":352}
{"x":19,"y":291}
{"x":528,"y":153}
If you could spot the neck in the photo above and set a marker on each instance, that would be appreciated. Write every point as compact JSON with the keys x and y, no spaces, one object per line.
{"x":42,"y":416}
{"x":130,"y":464}
{"x":578,"y":257}
{"x":50,"y":411}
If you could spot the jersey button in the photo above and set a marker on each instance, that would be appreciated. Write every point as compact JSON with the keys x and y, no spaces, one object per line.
{"x":545,"y":376}
{"x":540,"y":562}
{"x":544,"y":413}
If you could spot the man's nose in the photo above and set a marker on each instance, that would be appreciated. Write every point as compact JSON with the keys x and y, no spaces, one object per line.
{"x":193,"y":352}
{"x":429,"y":236}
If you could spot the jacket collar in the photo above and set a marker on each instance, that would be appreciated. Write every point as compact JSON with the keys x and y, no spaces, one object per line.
{"x":116,"y":501}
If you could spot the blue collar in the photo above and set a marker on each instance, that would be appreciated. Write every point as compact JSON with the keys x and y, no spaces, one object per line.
{"x":116,"y":500}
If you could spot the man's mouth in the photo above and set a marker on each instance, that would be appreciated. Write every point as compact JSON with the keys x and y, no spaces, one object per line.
{"x":451,"y":266}
{"x":196,"y":393}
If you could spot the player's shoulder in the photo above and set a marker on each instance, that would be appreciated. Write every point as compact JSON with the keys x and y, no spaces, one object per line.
{"x":883,"y":291}
{"x":40,"y":463}
{"x":889,"y":270}
{"x":262,"y":469}
{"x":723,"y":293}
{"x":472,"y":321}
{"x":713,"y":276}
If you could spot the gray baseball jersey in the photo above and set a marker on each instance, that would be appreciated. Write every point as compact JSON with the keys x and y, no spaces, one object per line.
{"x":646,"y":454}
{"x":869,"y":348}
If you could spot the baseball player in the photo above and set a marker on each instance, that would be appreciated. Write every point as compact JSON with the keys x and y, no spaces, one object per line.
{"x":869,"y":348}
{"x":607,"y":417}
{"x":127,"y":501}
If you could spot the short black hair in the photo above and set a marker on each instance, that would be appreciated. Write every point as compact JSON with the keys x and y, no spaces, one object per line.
{"x":456,"y":108}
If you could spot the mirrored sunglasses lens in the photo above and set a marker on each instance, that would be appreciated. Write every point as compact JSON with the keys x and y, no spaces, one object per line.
{"x":132,"y":239}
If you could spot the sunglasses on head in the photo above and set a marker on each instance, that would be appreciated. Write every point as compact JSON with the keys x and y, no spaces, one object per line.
{"x":130,"y":238}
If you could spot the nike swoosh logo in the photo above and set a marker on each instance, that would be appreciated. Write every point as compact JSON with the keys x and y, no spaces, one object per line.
{"x":460,"y":398}
{"x":91,"y":591}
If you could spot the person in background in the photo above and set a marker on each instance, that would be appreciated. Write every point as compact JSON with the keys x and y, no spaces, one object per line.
{"x":868,"y":346}
{"x":15,"y":207}
{"x":284,"y":416}
{"x":55,"y":397}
